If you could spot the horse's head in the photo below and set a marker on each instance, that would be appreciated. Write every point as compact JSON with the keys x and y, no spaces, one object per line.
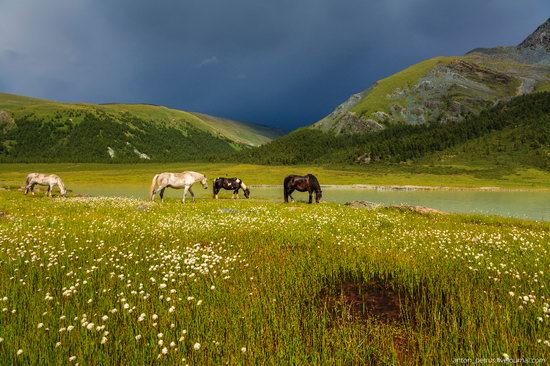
{"x":318,"y":195}
{"x":62,"y":188}
{"x":246,"y":192}
{"x":204,"y":182}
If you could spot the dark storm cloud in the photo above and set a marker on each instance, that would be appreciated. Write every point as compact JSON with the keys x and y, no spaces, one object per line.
{"x":283,"y":63}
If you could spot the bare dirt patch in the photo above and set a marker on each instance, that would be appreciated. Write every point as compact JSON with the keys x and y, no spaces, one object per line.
{"x":374,"y":303}
{"x":356,"y":300}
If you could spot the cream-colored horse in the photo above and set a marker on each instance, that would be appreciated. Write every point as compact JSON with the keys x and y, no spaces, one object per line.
{"x":49,"y":180}
{"x":176,"y":180}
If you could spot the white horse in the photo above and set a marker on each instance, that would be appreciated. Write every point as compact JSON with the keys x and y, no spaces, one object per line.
{"x":176,"y":180}
{"x":49,"y":180}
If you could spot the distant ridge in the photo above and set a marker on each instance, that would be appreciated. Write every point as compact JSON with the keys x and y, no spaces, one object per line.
{"x":36,"y":130}
{"x":446,"y":89}
{"x":119,"y":103}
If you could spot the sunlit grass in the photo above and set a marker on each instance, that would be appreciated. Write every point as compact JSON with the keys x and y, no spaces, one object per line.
{"x":123,"y":281}
{"x":13,"y":175}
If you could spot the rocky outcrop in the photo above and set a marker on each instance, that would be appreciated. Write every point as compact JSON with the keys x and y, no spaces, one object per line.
{"x":450,"y":90}
{"x":540,"y":38}
{"x":6,"y":122}
{"x":412,"y":208}
{"x":348,"y":123}
{"x":364,"y":204}
{"x":418,"y":209}
{"x":479,"y":73}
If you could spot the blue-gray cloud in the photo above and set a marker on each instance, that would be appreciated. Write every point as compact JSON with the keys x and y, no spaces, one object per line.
{"x":284,"y":63}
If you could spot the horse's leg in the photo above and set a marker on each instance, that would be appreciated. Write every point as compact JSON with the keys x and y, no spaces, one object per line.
{"x":32,"y":188}
{"x":192,"y":194}
{"x":290,"y":195}
{"x":310,"y":196}
{"x":162,"y":194}
{"x":157,"y":190}
{"x":185,"y":189}
{"x":236,"y":192}
{"x":49,"y":192}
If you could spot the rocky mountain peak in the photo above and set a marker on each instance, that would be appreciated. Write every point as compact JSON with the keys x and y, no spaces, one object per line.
{"x":540,"y":38}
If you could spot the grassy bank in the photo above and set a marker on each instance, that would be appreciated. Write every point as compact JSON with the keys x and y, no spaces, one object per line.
{"x":124,"y":281}
{"x":423,"y":175}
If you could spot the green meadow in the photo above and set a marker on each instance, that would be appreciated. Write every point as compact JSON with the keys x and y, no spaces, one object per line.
{"x":124,"y":281}
{"x":457,"y":175}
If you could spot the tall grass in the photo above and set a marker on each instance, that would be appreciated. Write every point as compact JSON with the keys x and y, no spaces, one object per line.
{"x":242,"y":282}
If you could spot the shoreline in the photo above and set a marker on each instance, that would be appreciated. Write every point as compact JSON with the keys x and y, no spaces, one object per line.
{"x":367,"y":187}
{"x":408,"y":187}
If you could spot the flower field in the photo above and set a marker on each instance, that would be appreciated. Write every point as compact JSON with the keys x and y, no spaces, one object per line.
{"x":123,"y":281}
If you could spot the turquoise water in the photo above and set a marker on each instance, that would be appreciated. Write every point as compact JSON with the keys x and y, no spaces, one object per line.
{"x":527,"y":205}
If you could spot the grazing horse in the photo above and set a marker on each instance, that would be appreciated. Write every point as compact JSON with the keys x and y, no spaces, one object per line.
{"x":176,"y":180}
{"x":233,"y":184}
{"x":49,"y":180}
{"x":300,"y":183}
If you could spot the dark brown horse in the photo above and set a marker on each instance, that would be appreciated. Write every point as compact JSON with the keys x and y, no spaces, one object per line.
{"x":307,"y":183}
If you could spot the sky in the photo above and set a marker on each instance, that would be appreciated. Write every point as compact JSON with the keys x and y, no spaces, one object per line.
{"x":282,"y":63}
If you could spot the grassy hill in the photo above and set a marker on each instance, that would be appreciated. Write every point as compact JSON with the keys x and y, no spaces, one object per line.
{"x":446,"y":89}
{"x":41,"y":130}
{"x":515,"y":133}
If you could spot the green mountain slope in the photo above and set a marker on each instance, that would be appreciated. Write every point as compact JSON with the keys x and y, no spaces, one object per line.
{"x":41,"y":130}
{"x":446,"y":89}
{"x":510,"y":133}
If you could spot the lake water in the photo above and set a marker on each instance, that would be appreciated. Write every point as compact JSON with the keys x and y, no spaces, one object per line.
{"x":526,"y":205}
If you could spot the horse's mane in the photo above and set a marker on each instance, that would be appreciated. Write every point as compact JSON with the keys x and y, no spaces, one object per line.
{"x":195,"y":174}
{"x":314,"y":182}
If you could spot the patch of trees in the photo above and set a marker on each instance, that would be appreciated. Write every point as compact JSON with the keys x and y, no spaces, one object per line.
{"x":528,"y":116}
{"x":59,"y":138}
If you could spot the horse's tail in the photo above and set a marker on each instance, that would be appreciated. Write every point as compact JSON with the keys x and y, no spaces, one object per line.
{"x":214,"y":186}
{"x":285,"y":186}
{"x":27,"y":182}
{"x":152,"y":189}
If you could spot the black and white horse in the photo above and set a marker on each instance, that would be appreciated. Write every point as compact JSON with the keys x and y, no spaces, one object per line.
{"x":231,"y":184}
{"x":307,"y":183}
